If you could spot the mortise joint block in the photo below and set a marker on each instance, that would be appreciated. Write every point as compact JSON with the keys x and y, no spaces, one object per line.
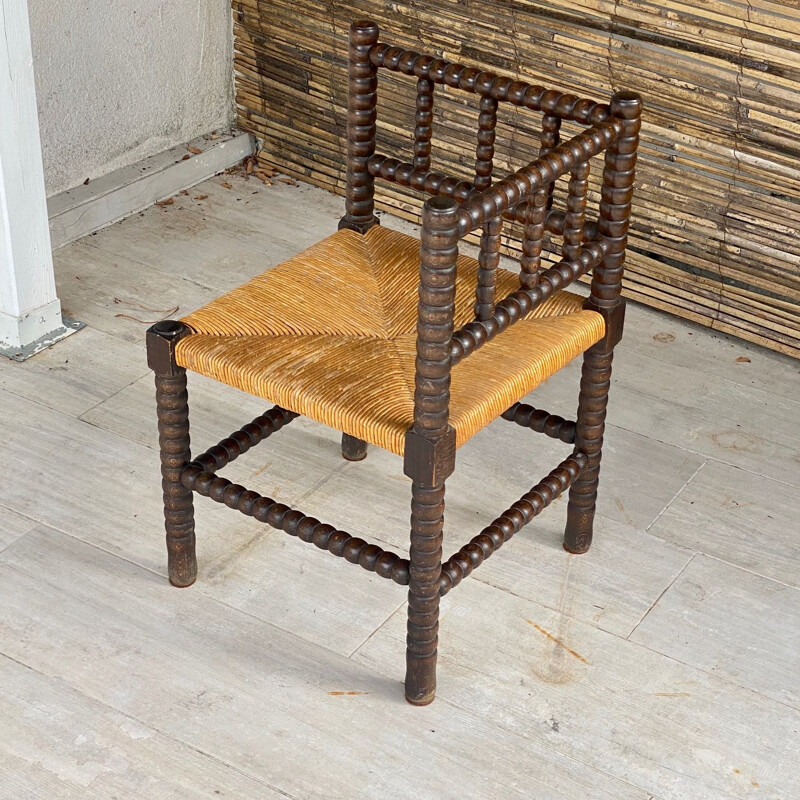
{"x":161,"y":341}
{"x":359,"y":227}
{"x":429,"y":462}
{"x":614,"y":319}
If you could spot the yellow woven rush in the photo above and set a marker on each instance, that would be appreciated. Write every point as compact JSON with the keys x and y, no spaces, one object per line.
{"x":330,"y":334}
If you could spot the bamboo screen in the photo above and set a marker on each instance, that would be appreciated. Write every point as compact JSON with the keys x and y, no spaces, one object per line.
{"x":714,"y":237}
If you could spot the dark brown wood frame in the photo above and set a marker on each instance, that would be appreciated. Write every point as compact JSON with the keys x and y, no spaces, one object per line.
{"x":456,"y":209}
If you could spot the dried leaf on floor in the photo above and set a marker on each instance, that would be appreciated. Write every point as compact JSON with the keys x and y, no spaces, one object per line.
{"x":134,"y":304}
{"x":226,"y":185}
{"x":168,"y":202}
{"x":743,"y":360}
{"x":196,"y":150}
{"x":201,"y":197}
{"x":171,"y":311}
{"x":162,"y":313}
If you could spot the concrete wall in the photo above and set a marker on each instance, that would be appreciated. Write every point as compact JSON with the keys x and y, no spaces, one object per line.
{"x":118,"y":81}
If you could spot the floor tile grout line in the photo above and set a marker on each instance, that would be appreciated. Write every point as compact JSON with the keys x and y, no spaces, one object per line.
{"x":671,"y":584}
{"x":544,"y":745}
{"x":324,"y":479}
{"x":198,"y":587}
{"x":86,"y":410}
{"x":127,"y":715}
{"x":706,"y":456}
{"x":8,"y":544}
{"x":343,"y":466}
{"x":111,"y":397}
{"x":571,"y":617}
{"x":666,"y":589}
{"x":339,"y":654}
{"x":648,"y":533}
{"x":719,"y":378}
{"x":58,"y":412}
{"x":42,"y":404}
{"x":21,"y":514}
{"x":751,"y":571}
{"x":376,"y":629}
{"x":717,"y":676}
{"x":753,"y":472}
{"x":676,"y":496}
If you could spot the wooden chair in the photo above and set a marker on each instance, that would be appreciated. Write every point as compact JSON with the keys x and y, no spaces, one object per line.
{"x":378,"y":337}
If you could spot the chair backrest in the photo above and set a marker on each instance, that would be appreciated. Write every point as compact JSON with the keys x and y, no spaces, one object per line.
{"x":526,"y":195}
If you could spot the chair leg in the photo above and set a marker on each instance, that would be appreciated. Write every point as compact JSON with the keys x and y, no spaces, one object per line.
{"x":353,"y":448}
{"x":427,"y":520}
{"x":592,"y":403}
{"x":173,"y":436}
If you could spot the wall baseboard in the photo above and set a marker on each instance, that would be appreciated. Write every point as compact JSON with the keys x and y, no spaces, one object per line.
{"x":87,"y":208}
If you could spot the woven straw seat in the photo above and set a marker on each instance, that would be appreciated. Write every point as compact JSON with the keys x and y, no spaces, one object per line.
{"x":331,"y":334}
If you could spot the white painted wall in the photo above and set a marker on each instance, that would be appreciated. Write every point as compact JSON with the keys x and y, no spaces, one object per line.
{"x":120,"y":80}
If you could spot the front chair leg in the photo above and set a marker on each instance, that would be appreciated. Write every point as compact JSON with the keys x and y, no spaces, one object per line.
{"x":173,"y":437}
{"x":427,"y":520}
{"x":592,"y":403}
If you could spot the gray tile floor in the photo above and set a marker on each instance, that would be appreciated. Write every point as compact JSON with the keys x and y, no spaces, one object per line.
{"x":663,"y":664}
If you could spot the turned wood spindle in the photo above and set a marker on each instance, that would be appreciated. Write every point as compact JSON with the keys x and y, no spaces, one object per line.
{"x":489,"y":255}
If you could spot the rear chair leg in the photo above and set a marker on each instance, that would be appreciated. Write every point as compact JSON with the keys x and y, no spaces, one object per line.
{"x":592,"y":404}
{"x":619,"y":173}
{"x":353,"y":449}
{"x":173,"y":429}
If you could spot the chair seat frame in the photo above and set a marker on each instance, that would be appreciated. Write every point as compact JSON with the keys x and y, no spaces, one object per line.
{"x":456,"y":209}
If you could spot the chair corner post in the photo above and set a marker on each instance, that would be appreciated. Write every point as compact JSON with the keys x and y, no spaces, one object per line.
{"x":161,"y":339}
{"x":615,"y":208}
{"x":431,"y":442}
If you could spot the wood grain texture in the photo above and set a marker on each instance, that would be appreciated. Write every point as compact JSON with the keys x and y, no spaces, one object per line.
{"x":262,"y":701}
{"x":598,"y":697}
{"x":718,"y":204}
{"x":60,"y":743}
